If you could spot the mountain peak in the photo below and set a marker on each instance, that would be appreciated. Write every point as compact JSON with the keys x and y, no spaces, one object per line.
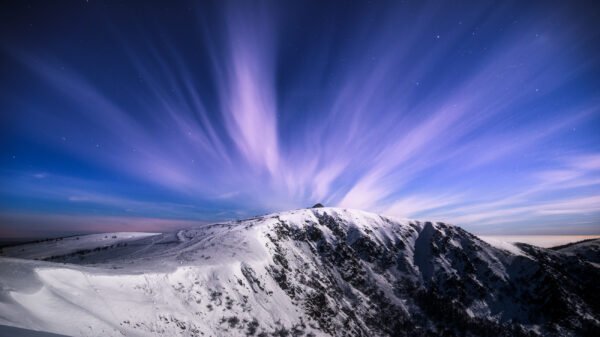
{"x":316,"y":272}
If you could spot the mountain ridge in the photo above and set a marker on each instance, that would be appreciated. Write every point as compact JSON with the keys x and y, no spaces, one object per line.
{"x":319,"y":271}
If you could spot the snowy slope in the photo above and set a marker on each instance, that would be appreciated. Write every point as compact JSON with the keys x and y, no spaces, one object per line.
{"x":311,"y":272}
{"x":45,"y":249}
{"x":588,"y":250}
{"x":10,"y":331}
{"x":545,"y":241}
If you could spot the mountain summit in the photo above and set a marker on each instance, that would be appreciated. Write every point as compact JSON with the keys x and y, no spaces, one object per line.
{"x":310,"y":272}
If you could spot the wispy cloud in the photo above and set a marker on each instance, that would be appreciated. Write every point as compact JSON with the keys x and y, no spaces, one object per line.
{"x":483,"y":119}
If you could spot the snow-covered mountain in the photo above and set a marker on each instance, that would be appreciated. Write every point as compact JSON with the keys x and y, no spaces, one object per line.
{"x":310,"y":272}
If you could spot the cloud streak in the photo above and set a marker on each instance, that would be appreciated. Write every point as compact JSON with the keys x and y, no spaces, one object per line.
{"x":482,"y":116}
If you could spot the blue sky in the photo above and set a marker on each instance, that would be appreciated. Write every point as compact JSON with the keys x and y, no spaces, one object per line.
{"x":160,"y":115}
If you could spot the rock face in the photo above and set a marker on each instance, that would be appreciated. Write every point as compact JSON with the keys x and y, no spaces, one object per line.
{"x":313,"y":272}
{"x":588,"y":250}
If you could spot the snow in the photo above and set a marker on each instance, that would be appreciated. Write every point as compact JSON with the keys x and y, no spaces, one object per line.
{"x":160,"y":287}
{"x":504,"y":245}
{"x":10,"y":331}
{"x":67,"y":245}
{"x":216,"y":280}
{"x":545,"y":241}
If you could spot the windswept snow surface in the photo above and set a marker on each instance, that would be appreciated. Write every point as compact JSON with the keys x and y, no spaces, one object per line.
{"x":545,"y":241}
{"x":10,"y":331}
{"x":44,"y":249}
{"x":588,"y":250}
{"x":501,"y":244}
{"x":311,"y":272}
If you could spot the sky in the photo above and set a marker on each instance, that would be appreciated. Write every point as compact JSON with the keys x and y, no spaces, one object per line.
{"x":142,"y":115}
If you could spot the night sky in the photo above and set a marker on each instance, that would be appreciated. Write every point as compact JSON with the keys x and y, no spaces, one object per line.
{"x":141,"y":115}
